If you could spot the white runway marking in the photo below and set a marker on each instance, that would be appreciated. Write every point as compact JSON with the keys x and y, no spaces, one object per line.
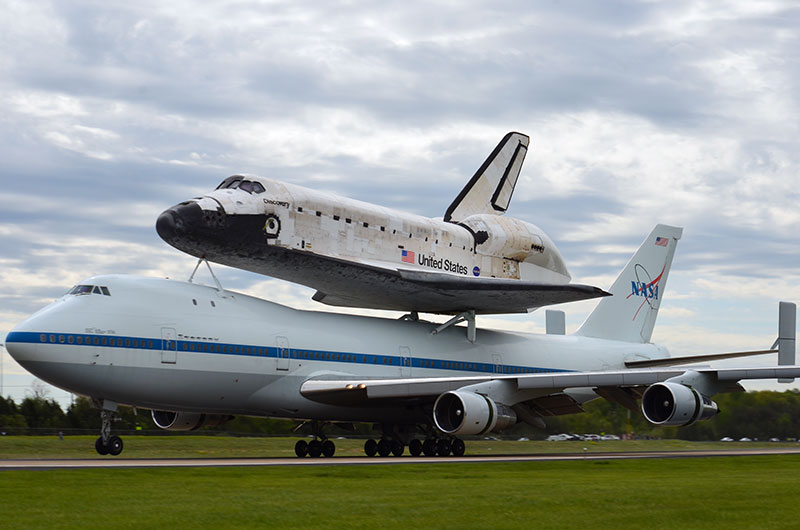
{"x":110,"y":462}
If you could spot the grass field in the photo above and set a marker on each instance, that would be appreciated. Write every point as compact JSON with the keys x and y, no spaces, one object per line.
{"x":741,"y":492}
{"x":225,"y":446}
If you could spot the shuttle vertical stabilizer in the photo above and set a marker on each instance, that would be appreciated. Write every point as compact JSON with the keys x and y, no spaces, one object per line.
{"x":489,"y":190}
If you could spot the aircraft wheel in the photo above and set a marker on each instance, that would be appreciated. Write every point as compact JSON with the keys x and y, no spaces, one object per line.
{"x":415,"y":447}
{"x":100,"y":447}
{"x":384,"y":448}
{"x":429,"y":447}
{"x":397,"y":448}
{"x":458,"y":447}
{"x":328,"y":448}
{"x":301,"y":448}
{"x":114,"y":445}
{"x":443,"y":447}
{"x":314,"y":448}
{"x":371,"y":447}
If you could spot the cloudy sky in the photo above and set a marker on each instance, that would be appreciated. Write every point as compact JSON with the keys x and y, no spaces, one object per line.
{"x":684,"y":113}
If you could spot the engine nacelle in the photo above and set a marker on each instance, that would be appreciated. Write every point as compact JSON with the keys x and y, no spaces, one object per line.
{"x":675,"y":404}
{"x":187,"y":421}
{"x":463,"y":413}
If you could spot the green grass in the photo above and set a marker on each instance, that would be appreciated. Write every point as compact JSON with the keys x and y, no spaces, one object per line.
{"x":225,"y":446}
{"x":740,"y":492}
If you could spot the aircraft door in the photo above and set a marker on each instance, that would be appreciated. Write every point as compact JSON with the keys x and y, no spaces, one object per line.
{"x":497,"y":360}
{"x":282,"y":344}
{"x":405,"y":361}
{"x":169,"y":346}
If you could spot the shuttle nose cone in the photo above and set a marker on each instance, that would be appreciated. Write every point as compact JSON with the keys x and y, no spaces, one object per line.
{"x":166,"y":225}
{"x":179,"y":223}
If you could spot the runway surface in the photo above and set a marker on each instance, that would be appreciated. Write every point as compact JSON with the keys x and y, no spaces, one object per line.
{"x":111,"y":462}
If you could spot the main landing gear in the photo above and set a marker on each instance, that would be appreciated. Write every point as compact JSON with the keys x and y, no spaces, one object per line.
{"x":395,"y":438}
{"x":105,"y":443}
{"x":319,"y":446}
{"x":429,"y":447}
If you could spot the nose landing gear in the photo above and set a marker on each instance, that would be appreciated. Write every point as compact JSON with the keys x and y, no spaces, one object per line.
{"x":105,"y":443}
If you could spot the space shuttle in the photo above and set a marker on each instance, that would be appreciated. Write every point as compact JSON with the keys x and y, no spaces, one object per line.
{"x":356,"y":254}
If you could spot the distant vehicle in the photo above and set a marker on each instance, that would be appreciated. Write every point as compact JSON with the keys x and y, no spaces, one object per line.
{"x":726,"y":439}
{"x":524,"y":439}
{"x":774,"y":439}
{"x":609,"y":437}
{"x":591,"y":437}
{"x":745,"y":439}
{"x":558,"y":437}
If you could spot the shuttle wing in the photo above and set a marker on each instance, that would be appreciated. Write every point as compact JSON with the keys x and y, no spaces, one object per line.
{"x":433,"y":292}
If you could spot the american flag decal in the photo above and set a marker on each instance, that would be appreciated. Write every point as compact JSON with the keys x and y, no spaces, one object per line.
{"x":662,"y":241}
{"x":407,"y":256}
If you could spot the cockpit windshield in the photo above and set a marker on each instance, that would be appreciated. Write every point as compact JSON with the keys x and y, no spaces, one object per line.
{"x":239,"y":182}
{"x":90,"y":289}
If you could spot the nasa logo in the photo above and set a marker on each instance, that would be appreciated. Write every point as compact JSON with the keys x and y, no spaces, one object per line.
{"x":476,"y":271}
{"x":648,"y":290}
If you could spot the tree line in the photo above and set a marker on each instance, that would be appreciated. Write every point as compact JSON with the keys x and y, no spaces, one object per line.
{"x":756,"y":415}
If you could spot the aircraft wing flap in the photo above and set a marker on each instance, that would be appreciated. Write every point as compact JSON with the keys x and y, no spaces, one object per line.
{"x":341,"y":391}
{"x":770,"y":372}
{"x":595,"y":379}
{"x":354,"y":390}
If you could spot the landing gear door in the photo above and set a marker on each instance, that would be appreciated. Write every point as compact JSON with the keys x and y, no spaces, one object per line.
{"x":405,"y":361}
{"x":282,"y":345}
{"x":169,"y":346}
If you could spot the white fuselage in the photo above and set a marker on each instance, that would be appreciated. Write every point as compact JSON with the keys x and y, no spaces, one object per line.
{"x":178,"y":346}
{"x":348,"y":229}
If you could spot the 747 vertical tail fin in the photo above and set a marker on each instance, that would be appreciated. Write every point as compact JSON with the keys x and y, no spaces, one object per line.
{"x":630,"y":314}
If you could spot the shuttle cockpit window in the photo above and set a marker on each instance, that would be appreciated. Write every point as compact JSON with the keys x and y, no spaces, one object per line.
{"x":232,"y":183}
{"x":90,"y":289}
{"x":251,"y":187}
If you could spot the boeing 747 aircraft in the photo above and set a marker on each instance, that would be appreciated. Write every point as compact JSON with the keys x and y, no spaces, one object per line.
{"x":355,"y":254}
{"x":196,"y":355}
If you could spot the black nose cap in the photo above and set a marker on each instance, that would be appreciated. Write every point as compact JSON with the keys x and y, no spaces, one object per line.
{"x":170,"y":225}
{"x":179,"y":221}
{"x":166,"y":225}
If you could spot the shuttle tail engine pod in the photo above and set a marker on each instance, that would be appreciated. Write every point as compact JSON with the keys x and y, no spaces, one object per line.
{"x":187,"y":421}
{"x":464,"y":413}
{"x":675,"y":404}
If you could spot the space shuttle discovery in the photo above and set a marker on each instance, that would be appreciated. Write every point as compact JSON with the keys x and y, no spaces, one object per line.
{"x":357,"y":254}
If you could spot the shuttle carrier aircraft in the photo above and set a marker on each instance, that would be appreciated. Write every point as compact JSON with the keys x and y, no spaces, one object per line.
{"x":197,"y":355}
{"x":355,"y":254}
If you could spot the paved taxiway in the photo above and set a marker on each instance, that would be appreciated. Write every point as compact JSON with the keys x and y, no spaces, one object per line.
{"x":363,"y":460}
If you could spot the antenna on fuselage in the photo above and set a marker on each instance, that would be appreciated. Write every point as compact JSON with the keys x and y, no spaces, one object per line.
{"x":216,"y":281}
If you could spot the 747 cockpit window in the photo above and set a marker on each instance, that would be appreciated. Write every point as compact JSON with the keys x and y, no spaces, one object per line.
{"x":245,"y":185}
{"x":90,"y":289}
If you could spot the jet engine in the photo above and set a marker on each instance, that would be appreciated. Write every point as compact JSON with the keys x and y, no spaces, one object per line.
{"x":463,"y":413}
{"x":187,"y":421}
{"x":675,"y":404}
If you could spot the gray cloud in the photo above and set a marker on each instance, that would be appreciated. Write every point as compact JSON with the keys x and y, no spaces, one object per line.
{"x":639,"y":113}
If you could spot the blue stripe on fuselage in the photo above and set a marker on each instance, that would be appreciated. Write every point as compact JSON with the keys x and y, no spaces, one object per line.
{"x":301,"y":354}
